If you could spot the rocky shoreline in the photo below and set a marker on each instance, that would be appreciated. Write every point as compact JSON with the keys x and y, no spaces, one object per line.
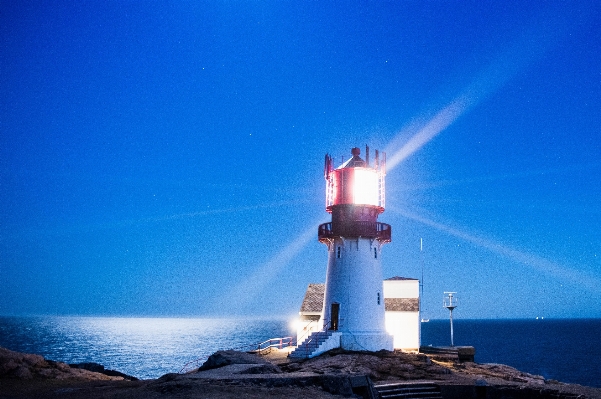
{"x":228,"y":374}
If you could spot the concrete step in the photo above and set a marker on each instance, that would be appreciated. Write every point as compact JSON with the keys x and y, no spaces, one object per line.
{"x":310,"y":345}
{"x":409,"y":390}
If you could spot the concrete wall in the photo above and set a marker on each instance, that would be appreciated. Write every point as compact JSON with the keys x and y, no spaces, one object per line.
{"x":304,"y":328}
{"x":354,"y":280}
{"x":405,"y":326}
{"x":401,"y":288}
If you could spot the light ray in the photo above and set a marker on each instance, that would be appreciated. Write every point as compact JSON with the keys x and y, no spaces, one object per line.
{"x":125,"y":223}
{"x":250,"y":286}
{"x":506,"y":65}
{"x":525,"y":174}
{"x":536,"y":262}
{"x":421,"y":131}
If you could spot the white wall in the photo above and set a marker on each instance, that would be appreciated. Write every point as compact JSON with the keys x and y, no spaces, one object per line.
{"x":401,"y":288}
{"x":354,"y":280}
{"x":405,"y":328}
{"x":304,"y":328}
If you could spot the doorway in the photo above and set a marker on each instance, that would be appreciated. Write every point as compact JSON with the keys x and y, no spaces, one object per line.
{"x":334,"y":315}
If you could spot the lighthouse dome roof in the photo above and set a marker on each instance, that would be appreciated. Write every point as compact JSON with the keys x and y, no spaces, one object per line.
{"x":355,"y":161}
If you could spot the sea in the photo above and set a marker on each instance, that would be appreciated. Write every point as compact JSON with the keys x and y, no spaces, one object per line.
{"x":567,"y":350}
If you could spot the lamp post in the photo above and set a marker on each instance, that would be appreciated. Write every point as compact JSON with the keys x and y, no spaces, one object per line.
{"x":450,"y":302}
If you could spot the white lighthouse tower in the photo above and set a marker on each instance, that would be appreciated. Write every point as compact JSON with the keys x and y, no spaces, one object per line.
{"x":354,"y":296}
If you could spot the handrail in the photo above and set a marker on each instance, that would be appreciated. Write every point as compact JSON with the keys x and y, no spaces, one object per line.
{"x":280,"y":343}
{"x":319,"y":333}
{"x":306,"y":334}
{"x":378,"y":230}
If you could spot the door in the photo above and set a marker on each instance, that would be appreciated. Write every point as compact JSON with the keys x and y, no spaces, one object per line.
{"x":334,"y":314}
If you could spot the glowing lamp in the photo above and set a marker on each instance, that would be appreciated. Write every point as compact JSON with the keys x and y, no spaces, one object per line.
{"x":365,"y":187}
{"x":355,"y":182}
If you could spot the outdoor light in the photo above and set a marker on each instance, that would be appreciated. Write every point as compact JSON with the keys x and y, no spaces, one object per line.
{"x":365,"y":190}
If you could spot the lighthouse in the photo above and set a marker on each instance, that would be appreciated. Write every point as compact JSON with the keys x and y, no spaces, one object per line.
{"x":353,"y":304}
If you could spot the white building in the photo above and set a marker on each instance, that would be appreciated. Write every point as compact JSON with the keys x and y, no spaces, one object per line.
{"x":402,"y":315}
{"x":403,"y":319}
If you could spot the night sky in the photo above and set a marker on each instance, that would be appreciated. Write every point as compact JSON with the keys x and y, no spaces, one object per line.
{"x":165,"y":158}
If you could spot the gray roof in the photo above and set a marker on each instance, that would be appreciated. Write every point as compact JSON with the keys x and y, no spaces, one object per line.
{"x":313,"y":301}
{"x":401,"y":304}
{"x":354,"y":162}
{"x":396,"y":278}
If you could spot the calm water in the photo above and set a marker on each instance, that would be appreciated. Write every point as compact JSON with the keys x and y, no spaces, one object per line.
{"x":565,"y":350}
{"x":561,"y":349}
{"x":142,"y":347}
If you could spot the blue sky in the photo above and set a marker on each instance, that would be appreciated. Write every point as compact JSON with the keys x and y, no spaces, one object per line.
{"x":166,"y":158}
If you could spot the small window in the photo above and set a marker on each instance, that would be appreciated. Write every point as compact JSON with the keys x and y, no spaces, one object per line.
{"x":378,"y":298}
{"x":376,"y":253}
{"x":338,"y":252}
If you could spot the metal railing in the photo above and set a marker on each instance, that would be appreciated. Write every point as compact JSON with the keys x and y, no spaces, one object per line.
{"x":299,"y":340}
{"x":316,"y":336}
{"x":261,"y":348}
{"x":377,"y":230}
{"x":273,"y":343}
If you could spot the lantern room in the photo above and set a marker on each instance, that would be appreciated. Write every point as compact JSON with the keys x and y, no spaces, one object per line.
{"x":355,"y":198}
{"x":355,"y":182}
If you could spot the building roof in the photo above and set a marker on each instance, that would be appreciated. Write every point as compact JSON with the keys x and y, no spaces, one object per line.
{"x":401,"y":304}
{"x":355,"y":161}
{"x":314,"y":296}
{"x":397,"y":278}
{"x":313,"y":301}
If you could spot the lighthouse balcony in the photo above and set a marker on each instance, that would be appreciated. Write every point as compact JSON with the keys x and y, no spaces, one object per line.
{"x":380,"y":231}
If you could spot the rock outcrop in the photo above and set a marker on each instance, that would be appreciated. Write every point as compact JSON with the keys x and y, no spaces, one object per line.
{"x":230,"y":374}
{"x":99,"y":368}
{"x":27,"y":366}
{"x":225,"y":358}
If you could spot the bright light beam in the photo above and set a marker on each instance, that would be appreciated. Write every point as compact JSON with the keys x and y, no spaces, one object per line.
{"x":587,"y":167}
{"x":119,"y":224}
{"x":538,"y":263}
{"x":243,"y":293}
{"x":487,"y":82}
{"x":529,"y":47}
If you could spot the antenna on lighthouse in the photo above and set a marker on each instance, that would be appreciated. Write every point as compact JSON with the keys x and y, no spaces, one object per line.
{"x":450,"y":302}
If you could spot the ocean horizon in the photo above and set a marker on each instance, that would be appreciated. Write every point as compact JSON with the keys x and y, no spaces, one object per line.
{"x":566,"y":350}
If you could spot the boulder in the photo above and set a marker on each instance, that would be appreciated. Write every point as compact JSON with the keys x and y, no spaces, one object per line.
{"x":225,"y":358}
{"x":22,"y":366}
{"x":99,"y":368}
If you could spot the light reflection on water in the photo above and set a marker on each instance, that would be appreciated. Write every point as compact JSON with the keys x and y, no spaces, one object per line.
{"x":142,"y":347}
{"x":565,"y":350}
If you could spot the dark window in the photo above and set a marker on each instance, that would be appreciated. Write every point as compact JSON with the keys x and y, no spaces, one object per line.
{"x":338,"y":252}
{"x":376,"y":253}
{"x":378,"y":298}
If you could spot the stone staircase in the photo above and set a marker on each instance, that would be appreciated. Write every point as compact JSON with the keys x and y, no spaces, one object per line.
{"x":423,"y":390}
{"x":315,"y":344}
